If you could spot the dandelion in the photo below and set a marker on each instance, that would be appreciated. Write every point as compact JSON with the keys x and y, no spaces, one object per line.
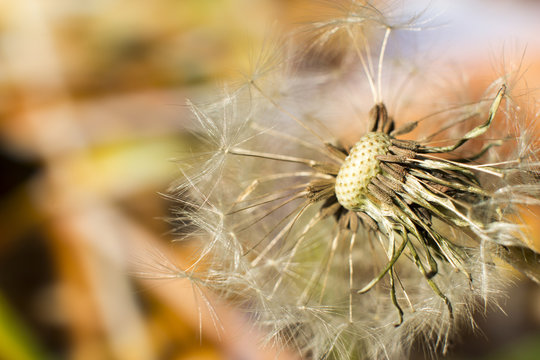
{"x":355,"y":250}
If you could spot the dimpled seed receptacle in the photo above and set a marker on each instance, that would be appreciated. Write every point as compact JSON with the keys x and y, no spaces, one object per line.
{"x":359,"y":168}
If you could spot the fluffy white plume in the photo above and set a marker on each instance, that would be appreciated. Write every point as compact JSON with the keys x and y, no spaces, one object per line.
{"x":417,"y":251}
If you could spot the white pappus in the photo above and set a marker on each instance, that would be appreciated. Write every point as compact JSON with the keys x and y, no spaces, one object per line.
{"x":355,"y":250}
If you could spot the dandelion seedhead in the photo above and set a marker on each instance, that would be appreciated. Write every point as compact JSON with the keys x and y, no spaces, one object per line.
{"x":356,"y":251}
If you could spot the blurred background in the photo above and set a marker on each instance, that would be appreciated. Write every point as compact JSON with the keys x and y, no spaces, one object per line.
{"x":92,"y":113}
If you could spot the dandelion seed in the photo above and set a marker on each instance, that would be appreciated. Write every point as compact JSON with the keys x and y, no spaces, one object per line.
{"x":354,"y":252}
